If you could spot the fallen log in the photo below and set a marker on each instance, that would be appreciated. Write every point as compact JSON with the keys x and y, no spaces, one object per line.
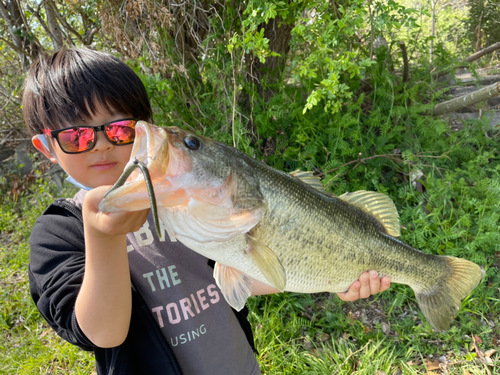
{"x":466,"y":100}
{"x":483,"y":52}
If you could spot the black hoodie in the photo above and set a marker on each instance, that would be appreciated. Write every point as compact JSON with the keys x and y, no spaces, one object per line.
{"x":56,"y":269}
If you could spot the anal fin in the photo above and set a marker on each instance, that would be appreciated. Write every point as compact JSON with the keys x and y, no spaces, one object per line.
{"x":234,"y":285}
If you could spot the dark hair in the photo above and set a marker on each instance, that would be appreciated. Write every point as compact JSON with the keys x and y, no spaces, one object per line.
{"x":72,"y":84}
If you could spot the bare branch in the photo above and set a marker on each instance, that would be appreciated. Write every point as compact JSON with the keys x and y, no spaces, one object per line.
{"x":14,"y":20}
{"x":15,"y":48}
{"x":36,"y":13}
{"x":90,"y":36}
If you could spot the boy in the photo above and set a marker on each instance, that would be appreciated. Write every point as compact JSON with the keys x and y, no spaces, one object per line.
{"x":105,"y":282}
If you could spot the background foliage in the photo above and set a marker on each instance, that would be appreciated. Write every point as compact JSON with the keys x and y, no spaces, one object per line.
{"x":306,"y":84}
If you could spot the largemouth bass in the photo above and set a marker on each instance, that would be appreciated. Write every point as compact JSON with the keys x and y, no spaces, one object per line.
{"x":259,"y":223}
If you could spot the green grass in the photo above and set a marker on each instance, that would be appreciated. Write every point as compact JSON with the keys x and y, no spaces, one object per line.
{"x":319,"y":334}
{"x":27,"y":344}
{"x":295,"y":334}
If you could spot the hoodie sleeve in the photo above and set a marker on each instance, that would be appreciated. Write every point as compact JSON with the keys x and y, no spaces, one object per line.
{"x":56,"y":269}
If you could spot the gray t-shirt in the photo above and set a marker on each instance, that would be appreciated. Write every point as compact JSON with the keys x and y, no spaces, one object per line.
{"x":178,"y":287}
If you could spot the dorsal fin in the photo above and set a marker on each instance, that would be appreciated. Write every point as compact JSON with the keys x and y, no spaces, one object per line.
{"x":310,"y":179}
{"x":378,"y":205}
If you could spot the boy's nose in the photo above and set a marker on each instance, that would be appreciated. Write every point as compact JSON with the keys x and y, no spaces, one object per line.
{"x":102,"y":143}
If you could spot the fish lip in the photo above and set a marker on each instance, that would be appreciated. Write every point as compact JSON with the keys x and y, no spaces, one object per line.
{"x":150,"y":142}
{"x":150,"y":150}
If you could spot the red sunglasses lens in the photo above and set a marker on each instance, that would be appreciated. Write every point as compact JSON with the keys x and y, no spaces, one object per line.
{"x":121,"y":132}
{"x":76,"y":139}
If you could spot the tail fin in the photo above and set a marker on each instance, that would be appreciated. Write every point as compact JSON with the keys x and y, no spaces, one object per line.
{"x":441,"y":304}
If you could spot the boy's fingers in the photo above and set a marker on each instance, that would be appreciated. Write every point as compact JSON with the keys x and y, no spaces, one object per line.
{"x":374,"y":282}
{"x":385,"y":283}
{"x":352,"y":294}
{"x":366,"y":283}
{"x":113,"y":223}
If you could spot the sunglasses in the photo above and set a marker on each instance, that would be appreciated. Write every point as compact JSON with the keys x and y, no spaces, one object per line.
{"x":78,"y":139}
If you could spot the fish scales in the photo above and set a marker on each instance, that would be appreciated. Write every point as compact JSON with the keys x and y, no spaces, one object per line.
{"x":310,"y":230}
{"x":259,"y":223}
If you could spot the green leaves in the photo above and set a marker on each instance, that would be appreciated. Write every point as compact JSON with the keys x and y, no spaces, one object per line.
{"x":313,"y":100}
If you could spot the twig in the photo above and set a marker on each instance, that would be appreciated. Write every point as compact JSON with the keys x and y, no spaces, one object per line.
{"x":360,"y":161}
{"x":8,"y":95}
{"x":10,"y":130}
{"x":15,"y":48}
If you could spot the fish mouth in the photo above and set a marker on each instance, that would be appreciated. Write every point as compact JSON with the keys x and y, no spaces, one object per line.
{"x":134,"y":190}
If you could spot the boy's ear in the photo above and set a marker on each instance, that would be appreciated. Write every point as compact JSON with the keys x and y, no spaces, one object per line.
{"x":44,"y":150}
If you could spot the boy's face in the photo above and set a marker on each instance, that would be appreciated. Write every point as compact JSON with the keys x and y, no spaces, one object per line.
{"x":102,"y":165}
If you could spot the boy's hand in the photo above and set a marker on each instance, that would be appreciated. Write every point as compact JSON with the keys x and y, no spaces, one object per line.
{"x":99,"y":224}
{"x":368,"y":284}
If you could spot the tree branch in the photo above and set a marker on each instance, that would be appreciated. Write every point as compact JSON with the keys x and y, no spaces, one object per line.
{"x":6,"y":15}
{"x":36,"y":13}
{"x":90,"y":36}
{"x":15,"y":48}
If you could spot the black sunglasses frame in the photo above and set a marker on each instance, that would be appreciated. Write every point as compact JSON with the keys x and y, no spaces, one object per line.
{"x":96,"y":129}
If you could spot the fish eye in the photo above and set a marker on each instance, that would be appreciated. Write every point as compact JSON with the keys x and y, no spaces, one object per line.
{"x":192,"y":142}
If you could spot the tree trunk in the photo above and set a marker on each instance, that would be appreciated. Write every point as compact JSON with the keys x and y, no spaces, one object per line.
{"x":406,"y":64}
{"x":55,"y":30}
{"x":279,"y":35}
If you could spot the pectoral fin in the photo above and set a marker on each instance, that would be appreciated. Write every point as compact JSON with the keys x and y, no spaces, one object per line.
{"x":234,"y":285}
{"x":268,"y":262}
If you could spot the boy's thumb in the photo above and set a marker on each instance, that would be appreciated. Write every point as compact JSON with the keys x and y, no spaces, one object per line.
{"x":94,"y":197}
